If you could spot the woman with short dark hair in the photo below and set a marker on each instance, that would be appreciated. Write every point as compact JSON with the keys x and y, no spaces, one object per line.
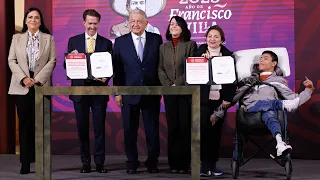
{"x":178,"y":107}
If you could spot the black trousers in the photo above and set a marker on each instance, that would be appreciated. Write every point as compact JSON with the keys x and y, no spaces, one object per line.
{"x":150,"y":116}
{"x":26,"y":114}
{"x":98,"y":105}
{"x":210,"y":136}
{"x":178,"y":115}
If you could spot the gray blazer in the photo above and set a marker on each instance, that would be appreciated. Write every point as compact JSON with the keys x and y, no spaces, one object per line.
{"x":171,"y":68}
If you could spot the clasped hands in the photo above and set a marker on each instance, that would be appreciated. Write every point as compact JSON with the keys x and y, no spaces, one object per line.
{"x":29,"y":82}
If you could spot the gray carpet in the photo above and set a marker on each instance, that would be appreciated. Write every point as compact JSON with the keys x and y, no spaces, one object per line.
{"x":67,"y":167}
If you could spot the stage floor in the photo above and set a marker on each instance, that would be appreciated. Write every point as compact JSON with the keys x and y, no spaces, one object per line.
{"x":67,"y":167}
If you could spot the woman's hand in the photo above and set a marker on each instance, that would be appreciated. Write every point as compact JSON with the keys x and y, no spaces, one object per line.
{"x":206,"y":55}
{"x":28,"y":82}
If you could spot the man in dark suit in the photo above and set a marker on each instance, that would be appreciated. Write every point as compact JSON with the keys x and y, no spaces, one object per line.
{"x":136,"y":57}
{"x":90,"y":42}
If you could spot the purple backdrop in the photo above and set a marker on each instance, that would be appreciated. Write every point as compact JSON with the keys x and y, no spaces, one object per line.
{"x":247,"y":24}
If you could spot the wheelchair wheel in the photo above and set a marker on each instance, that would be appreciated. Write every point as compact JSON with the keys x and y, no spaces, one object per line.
{"x":288,"y":168}
{"x":235,"y":169}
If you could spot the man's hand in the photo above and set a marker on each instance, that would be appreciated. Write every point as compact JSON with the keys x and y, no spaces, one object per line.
{"x":118,"y":100}
{"x":28,"y":82}
{"x":308,"y":83}
{"x":225,"y":104}
{"x":103,"y":80}
{"x":213,"y":119}
{"x":74,"y":52}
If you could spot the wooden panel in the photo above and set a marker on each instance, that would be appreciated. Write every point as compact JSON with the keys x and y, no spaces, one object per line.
{"x":7,"y":114}
{"x":43,"y":118}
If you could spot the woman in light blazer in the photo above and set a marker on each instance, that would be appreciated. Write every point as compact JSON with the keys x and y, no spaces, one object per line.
{"x":32,"y":58}
{"x":171,"y":72}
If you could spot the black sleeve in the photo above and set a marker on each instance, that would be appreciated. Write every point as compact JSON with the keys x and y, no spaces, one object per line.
{"x":109,"y":49}
{"x":118,"y":75}
{"x":157,"y":77}
{"x":228,"y":91}
{"x":202,"y":49}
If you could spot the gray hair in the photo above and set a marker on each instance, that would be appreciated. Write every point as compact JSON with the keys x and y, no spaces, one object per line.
{"x":138,"y":11}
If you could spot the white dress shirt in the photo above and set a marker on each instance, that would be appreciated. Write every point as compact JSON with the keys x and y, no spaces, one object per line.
{"x":88,"y":41}
{"x":136,"y":40}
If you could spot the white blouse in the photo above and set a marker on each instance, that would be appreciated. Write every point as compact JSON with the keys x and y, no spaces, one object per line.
{"x":32,"y":50}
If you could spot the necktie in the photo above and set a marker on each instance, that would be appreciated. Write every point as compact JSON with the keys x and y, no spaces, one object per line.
{"x":140,"y":49}
{"x":90,"y":45}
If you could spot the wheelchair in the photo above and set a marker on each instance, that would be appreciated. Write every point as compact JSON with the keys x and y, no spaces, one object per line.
{"x":249,"y":125}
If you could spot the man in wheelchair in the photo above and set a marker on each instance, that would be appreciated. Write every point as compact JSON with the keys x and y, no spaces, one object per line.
{"x":267,"y":91}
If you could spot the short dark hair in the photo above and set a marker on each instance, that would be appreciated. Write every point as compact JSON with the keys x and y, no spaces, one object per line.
{"x":273,"y":55}
{"x":185,"y":34}
{"x":219,"y":29}
{"x":91,"y":12}
{"x":42,"y":27}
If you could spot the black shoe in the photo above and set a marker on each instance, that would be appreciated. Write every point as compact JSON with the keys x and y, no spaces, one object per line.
{"x":183,"y":171}
{"x":25,"y":168}
{"x":100,"y":168}
{"x":153,"y":170}
{"x":86,"y":168}
{"x":131,"y":171}
{"x":174,"y":171}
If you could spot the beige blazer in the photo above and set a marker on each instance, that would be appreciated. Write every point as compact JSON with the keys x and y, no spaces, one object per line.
{"x":172,"y":60}
{"x":18,"y":61}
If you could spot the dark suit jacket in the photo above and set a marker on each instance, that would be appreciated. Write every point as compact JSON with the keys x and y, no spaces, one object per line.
{"x":130,"y":71}
{"x":78,"y":42}
{"x":171,"y":64}
{"x":228,"y":90}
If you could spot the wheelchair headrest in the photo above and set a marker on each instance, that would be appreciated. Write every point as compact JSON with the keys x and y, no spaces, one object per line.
{"x":246,"y":59}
